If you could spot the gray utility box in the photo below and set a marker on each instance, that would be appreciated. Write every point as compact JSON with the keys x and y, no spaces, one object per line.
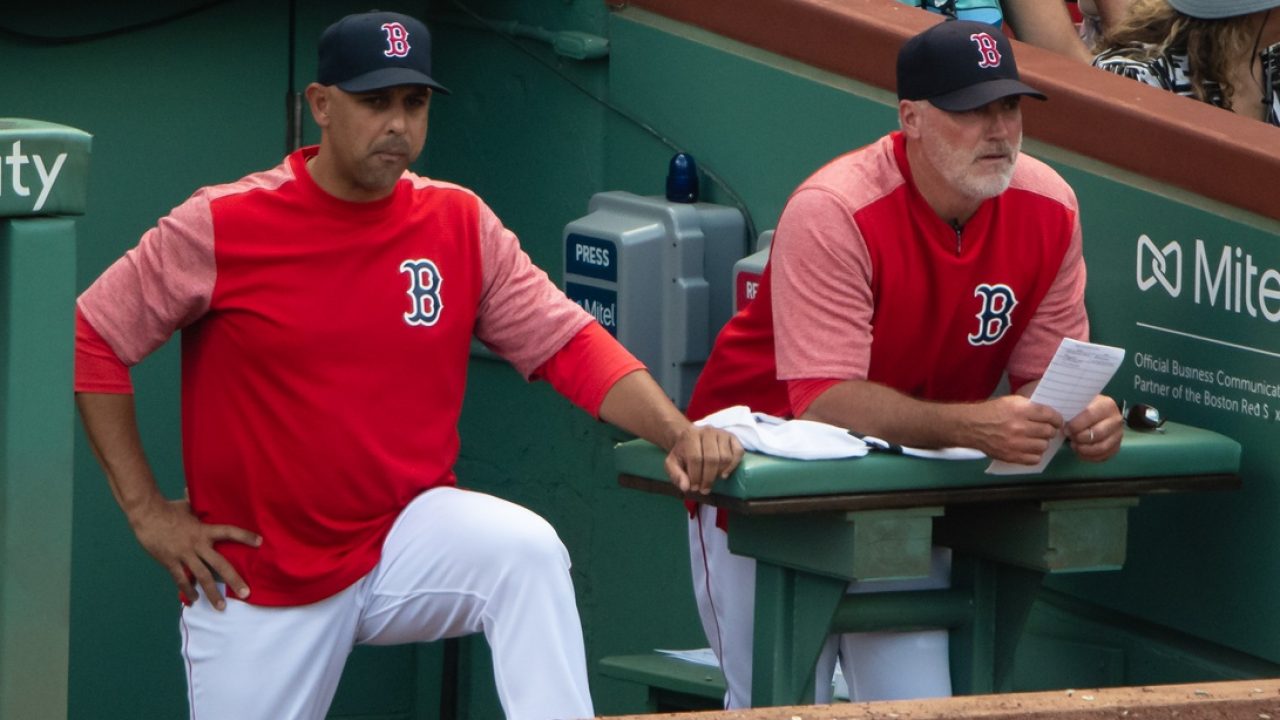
{"x":656,"y":274}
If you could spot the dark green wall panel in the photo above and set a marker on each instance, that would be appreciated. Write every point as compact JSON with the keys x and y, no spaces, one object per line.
{"x":761,"y":124}
{"x":1196,"y":562}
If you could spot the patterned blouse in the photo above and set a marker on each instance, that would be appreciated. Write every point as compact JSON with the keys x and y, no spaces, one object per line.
{"x":1171,"y":71}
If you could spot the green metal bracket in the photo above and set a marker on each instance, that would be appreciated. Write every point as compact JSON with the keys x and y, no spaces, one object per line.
{"x":800,"y":606}
{"x":1057,"y":536}
{"x":903,"y":611}
{"x":42,"y":173}
{"x":865,"y":545}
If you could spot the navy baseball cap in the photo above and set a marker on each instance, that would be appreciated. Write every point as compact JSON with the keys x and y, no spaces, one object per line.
{"x":375,"y":50}
{"x":958,"y":66}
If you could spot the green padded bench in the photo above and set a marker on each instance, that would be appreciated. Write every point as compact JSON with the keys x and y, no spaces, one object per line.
{"x":815,"y":525}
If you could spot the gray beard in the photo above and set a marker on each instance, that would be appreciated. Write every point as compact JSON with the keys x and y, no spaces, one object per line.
{"x":954,"y":168}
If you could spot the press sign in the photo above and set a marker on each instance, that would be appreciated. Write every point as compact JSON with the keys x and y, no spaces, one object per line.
{"x":591,"y":257}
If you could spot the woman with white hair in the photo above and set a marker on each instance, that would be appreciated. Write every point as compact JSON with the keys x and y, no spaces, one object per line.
{"x":1223,"y":52}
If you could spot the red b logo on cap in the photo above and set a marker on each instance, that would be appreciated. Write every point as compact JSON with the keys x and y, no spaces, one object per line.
{"x":988,"y":49}
{"x":398,"y":40}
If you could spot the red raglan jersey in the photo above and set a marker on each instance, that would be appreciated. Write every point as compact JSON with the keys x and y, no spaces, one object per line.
{"x":866,"y":282}
{"x":324,"y":353}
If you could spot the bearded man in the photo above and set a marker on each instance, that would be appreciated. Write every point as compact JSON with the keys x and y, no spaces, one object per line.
{"x":905,"y":280}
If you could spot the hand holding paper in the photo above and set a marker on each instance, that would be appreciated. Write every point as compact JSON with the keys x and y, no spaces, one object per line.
{"x":1076,"y":375}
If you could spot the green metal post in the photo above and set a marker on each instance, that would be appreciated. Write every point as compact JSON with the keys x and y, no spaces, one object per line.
{"x":42,"y":175}
{"x":800,"y":605}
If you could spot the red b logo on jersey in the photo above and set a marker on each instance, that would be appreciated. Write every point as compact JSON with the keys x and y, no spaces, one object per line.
{"x":988,"y":49}
{"x":397,"y":39}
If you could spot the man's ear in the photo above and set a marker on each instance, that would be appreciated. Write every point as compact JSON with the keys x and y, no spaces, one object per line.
{"x":318,"y":100}
{"x":909,"y":117}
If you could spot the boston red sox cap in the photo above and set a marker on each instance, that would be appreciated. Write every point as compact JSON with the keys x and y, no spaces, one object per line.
{"x":375,"y":50}
{"x":959,"y":65}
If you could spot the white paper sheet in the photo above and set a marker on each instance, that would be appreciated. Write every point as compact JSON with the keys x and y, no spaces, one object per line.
{"x":1076,"y":375}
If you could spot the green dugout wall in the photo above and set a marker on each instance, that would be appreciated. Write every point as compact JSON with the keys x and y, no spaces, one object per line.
{"x":193,"y":93}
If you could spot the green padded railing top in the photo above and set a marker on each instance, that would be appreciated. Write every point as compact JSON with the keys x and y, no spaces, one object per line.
{"x":44,"y":168}
{"x":1180,"y":450}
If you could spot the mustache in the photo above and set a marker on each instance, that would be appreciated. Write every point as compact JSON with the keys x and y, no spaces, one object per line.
{"x":392,"y":145}
{"x":1007,"y":149}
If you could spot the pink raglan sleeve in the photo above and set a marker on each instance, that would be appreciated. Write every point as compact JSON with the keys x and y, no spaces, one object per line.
{"x":158,"y":287}
{"x":821,"y":283}
{"x":1061,"y":314}
{"x":522,"y":316}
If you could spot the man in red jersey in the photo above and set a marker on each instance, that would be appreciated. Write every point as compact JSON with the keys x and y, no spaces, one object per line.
{"x":905,"y":279}
{"x":327,"y":308}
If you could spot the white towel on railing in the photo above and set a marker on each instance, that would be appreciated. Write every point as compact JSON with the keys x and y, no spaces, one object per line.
{"x":811,"y":440}
{"x":798,"y":439}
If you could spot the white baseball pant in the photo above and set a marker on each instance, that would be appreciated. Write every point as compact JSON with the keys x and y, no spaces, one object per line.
{"x":455,"y":563}
{"x":876,"y":665}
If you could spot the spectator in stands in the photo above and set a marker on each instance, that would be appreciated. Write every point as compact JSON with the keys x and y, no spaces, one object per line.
{"x":1036,"y":22}
{"x":1223,"y":52}
{"x":1099,"y":18}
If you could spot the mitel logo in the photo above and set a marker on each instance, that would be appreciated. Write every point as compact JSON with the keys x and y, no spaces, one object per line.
{"x":1230,"y":279}
{"x":1155,"y":262}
